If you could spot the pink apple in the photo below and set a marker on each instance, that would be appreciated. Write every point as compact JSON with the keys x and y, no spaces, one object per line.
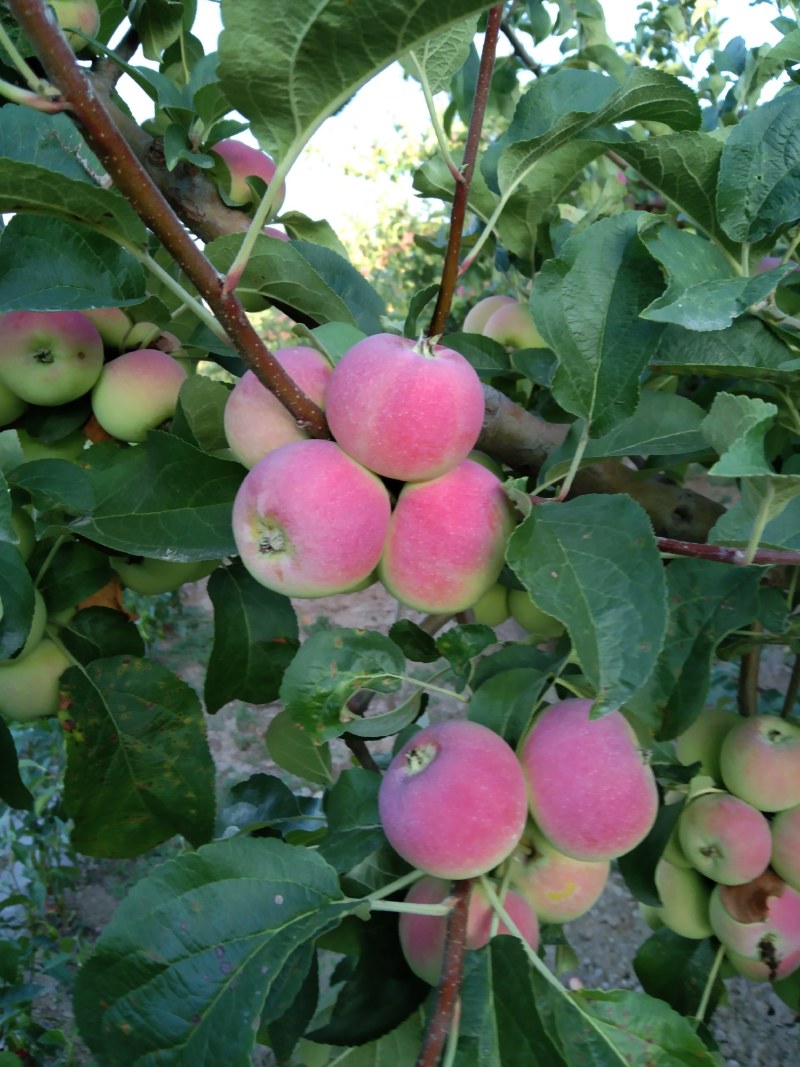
{"x":558,"y":887}
{"x":786,"y":845}
{"x":760,"y":762}
{"x":137,"y":392}
{"x":243,"y":162}
{"x":255,"y":420}
{"x":725,"y":838}
{"x":513,"y":325}
{"x":452,"y":801}
{"x":49,"y":357}
{"x":422,"y":937}
{"x":477,"y":316}
{"x":81,"y":15}
{"x":309,"y":521}
{"x":406,"y":410}
{"x":446,"y":541}
{"x":113,"y":325}
{"x":591,"y":791}
{"x":759,"y":921}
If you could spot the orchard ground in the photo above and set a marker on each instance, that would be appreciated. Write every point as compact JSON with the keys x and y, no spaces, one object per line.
{"x":753,"y":1029}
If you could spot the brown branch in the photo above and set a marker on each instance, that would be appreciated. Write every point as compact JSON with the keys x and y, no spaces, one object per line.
{"x":792,"y":690}
{"x":447,"y":287}
{"x":449,"y":986}
{"x":726,"y":554}
{"x":135,"y":184}
{"x":519,"y":50}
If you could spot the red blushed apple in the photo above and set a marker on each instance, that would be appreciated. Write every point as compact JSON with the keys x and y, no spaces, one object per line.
{"x":422,"y":937}
{"x":786,"y":845}
{"x":49,"y":357}
{"x":591,"y":792}
{"x":452,"y":801}
{"x":243,"y":162}
{"x":256,"y":422}
{"x":446,"y":541}
{"x":309,"y":521}
{"x":81,"y":15}
{"x":760,"y":922}
{"x":725,"y":838}
{"x":760,"y":762}
{"x":477,"y":316}
{"x":137,"y":392}
{"x":406,"y":410}
{"x":558,"y":887}
{"x":113,"y":325}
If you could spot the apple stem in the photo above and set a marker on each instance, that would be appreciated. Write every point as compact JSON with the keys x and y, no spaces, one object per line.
{"x":447,"y":287}
{"x":404,"y":908}
{"x":29,"y":75}
{"x":747,"y":684}
{"x":709,"y":986}
{"x":440,"y":1020}
{"x":395,"y":886}
{"x":792,"y":690}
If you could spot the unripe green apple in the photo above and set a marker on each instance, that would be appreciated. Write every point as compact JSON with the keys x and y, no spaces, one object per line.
{"x":25,"y":530}
{"x":150,"y":577}
{"x":243,"y":162}
{"x":49,"y":357}
{"x":760,"y":762}
{"x":512,"y":325}
{"x":141,"y":335}
{"x":137,"y":392}
{"x":113,"y":325}
{"x":69,"y":447}
{"x":702,"y":741}
{"x":685,"y":897}
{"x":478,"y":315}
{"x":11,"y":407}
{"x":492,"y":608}
{"x":29,"y":687}
{"x":532,"y":618}
{"x":77,"y":15}
{"x":36,"y":631}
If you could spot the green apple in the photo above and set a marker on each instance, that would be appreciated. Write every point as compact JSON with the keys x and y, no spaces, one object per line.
{"x":69,"y":447}
{"x":49,"y":357}
{"x":702,"y":741}
{"x":153,"y":576}
{"x":492,"y":608}
{"x":11,"y":407}
{"x":77,"y":15}
{"x":25,"y":531}
{"x":29,"y":686}
{"x":532,"y":618}
{"x":113,"y":325}
{"x":36,"y":631}
{"x":137,"y":392}
{"x":512,"y":325}
{"x":685,"y":897}
{"x":478,"y":315}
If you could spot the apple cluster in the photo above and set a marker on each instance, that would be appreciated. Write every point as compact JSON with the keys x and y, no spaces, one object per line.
{"x":394,"y":496}
{"x":731,"y":867}
{"x":458,"y":802}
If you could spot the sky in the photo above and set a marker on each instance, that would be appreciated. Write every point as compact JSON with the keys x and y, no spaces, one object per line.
{"x":318,"y":185}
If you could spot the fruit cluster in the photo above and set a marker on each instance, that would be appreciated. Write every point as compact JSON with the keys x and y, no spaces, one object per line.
{"x":457,"y":802}
{"x":732,"y":865}
{"x":313,"y":518}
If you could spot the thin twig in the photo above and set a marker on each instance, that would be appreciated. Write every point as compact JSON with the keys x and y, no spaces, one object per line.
{"x":519,"y":50}
{"x":726,"y":554}
{"x":747,"y":685}
{"x":447,"y":287}
{"x":135,"y":184}
{"x":792,"y":690}
{"x":450,"y":983}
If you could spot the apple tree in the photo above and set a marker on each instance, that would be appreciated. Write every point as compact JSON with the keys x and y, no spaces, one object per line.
{"x":587,"y":420}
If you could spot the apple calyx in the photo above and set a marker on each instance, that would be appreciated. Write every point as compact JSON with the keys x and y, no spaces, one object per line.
{"x":272,"y":540}
{"x":417,"y":759}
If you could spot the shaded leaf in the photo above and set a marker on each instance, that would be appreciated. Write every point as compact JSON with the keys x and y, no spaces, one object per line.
{"x":676,"y":969}
{"x":291,"y":747}
{"x":13,"y":790}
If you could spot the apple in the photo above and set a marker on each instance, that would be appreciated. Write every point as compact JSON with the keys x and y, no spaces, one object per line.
{"x":77,"y":15}
{"x":11,"y":406}
{"x":29,"y":686}
{"x":36,"y":630}
{"x":558,"y":887}
{"x":532,"y":618}
{"x":685,"y":896}
{"x":406,"y":410}
{"x":446,"y":540}
{"x":113,"y":325}
{"x":759,"y":923}
{"x":477,"y":316}
{"x":243,"y":161}
{"x":512,"y":325}
{"x":786,"y":845}
{"x":137,"y":392}
{"x":153,"y":576}
{"x":591,"y":791}
{"x":256,"y":422}
{"x":141,"y":335}
{"x":760,"y":762}
{"x":702,"y":741}
{"x":49,"y":357}
{"x":491,"y":609}
{"x":725,"y":838}
{"x":69,"y":447}
{"x":309,"y":521}
{"x":422,"y":937}
{"x":452,"y":801}
{"x":25,"y":530}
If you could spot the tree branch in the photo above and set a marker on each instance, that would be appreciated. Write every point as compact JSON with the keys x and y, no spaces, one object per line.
{"x":131,"y":179}
{"x":726,"y":554}
{"x":447,"y":287}
{"x":519,"y":50}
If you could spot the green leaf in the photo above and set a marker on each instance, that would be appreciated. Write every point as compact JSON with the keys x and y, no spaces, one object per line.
{"x":461,"y":644}
{"x":318,"y":231}
{"x":140,"y":740}
{"x":199,"y":417}
{"x":158,"y":23}
{"x":735,"y":525}
{"x":54,"y":483}
{"x":255,"y":639}
{"x":291,"y":747}
{"x":638,"y":866}
{"x":16,"y":601}
{"x":373,"y":727}
{"x":399,"y":1047}
{"x":415,"y":643}
{"x":505,"y":702}
{"x":706,"y":602}
{"x":703,"y":294}
{"x":13,"y":790}
{"x":262,"y":802}
{"x":354,"y":826}
{"x":76,"y":571}
{"x":676,"y":969}
{"x":46,"y":167}
{"x":437,"y":59}
{"x":288,"y":68}
{"x":487,"y":357}
{"x":363,"y":302}
{"x":593,"y":563}
{"x":163,"y":499}
{"x":331,"y":666}
{"x":98,"y":633}
{"x":49,"y":264}
{"x":747,"y":349}
{"x":586,"y":305}
{"x":182,"y":972}
{"x":759,"y":175}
